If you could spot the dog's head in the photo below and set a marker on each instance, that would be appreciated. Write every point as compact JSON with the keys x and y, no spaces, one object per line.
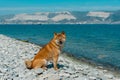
{"x":60,"y":38}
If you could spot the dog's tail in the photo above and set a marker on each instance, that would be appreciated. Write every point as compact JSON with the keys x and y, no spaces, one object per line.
{"x":28,"y":64}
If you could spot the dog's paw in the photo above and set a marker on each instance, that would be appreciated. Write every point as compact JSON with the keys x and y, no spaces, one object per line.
{"x":56,"y":68}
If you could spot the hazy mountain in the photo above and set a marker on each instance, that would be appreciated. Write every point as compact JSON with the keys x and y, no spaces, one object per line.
{"x":73,"y":17}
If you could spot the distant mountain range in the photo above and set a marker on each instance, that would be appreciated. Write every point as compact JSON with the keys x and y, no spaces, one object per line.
{"x":66,"y":17}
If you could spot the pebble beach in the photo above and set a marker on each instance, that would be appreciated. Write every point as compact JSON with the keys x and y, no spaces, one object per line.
{"x":14,"y":52}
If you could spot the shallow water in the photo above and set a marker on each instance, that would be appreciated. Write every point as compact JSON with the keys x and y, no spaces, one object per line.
{"x":100,"y":42}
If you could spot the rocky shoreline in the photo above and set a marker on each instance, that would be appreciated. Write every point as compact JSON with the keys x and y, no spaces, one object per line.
{"x":13,"y":53}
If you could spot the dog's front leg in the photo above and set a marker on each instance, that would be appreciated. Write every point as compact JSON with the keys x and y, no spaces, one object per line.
{"x":55,"y":60}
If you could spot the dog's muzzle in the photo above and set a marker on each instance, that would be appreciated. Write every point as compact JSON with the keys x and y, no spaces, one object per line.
{"x":60,"y":42}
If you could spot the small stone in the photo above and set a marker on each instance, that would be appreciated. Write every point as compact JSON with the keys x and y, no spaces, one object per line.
{"x":92,"y":78}
{"x":85,"y":73}
{"x":31,"y":77}
{"x":98,"y":78}
{"x":39,"y":71}
{"x":53,"y":77}
{"x":117,"y":78}
{"x":52,"y":71}
{"x":105,"y":71}
{"x":1,"y":74}
{"x":65,"y":68}
{"x":75,"y":76}
{"x":70,"y":71}
{"x":93,"y":73}
{"x":17,"y":75}
{"x":16,"y":78}
{"x":109,"y":76}
{"x":100,"y":67}
{"x":81,"y":78}
{"x":79,"y":68}
{"x":61,"y":60}
{"x":3,"y":70}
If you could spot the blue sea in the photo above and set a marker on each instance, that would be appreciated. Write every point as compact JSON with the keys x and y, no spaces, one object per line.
{"x":96,"y":42}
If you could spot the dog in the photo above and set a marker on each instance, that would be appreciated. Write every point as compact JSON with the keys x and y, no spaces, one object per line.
{"x":50,"y":51}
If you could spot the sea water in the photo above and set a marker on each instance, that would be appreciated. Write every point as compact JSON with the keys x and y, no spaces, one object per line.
{"x":96,"y":42}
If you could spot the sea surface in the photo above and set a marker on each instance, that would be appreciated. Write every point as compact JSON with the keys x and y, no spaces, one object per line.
{"x":95,"y":42}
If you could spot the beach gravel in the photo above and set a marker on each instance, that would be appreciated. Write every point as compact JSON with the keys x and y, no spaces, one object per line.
{"x":13,"y":53}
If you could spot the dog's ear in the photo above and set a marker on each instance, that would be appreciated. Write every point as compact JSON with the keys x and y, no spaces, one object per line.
{"x":63,"y":32}
{"x":55,"y":33}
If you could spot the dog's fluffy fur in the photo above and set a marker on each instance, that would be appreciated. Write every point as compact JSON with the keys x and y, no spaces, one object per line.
{"x":49,"y":52}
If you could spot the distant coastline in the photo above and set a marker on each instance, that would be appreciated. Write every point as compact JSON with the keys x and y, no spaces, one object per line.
{"x":63,"y":17}
{"x":60,"y":24}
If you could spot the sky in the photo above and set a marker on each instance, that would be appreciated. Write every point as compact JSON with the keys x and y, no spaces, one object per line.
{"x":31,"y":6}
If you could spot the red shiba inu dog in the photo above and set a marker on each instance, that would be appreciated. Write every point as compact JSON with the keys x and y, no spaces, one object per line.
{"x":49,"y":52}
